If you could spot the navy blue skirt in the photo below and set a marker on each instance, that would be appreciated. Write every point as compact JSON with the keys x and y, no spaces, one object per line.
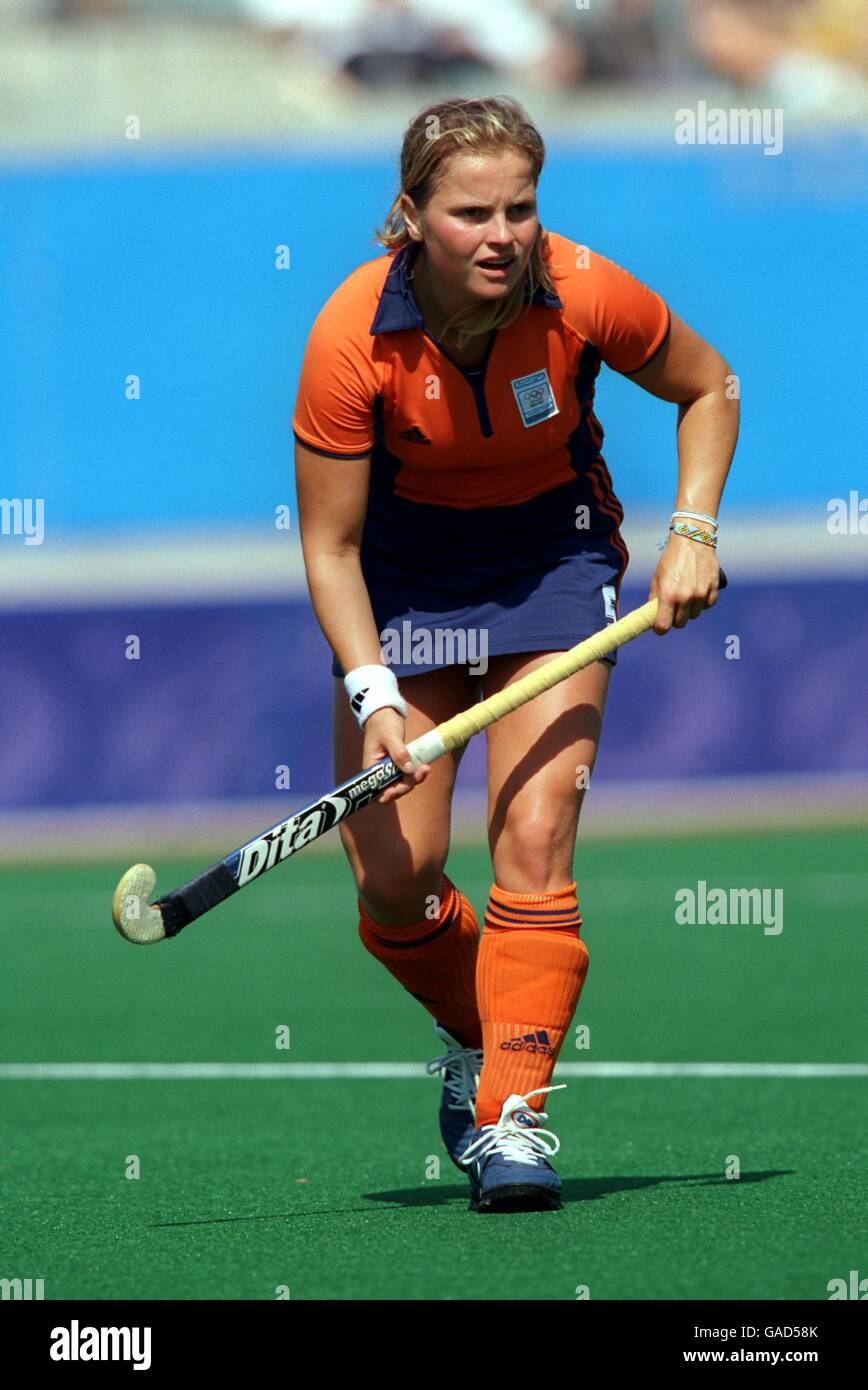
{"x":456,"y":587}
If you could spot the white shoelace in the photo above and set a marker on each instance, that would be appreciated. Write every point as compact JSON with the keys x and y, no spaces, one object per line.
{"x":511,"y":1140}
{"x":462,"y":1067}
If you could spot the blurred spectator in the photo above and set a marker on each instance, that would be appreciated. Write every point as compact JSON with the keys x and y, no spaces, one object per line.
{"x":610,"y":40}
{"x":394,"y":43}
{"x":390,"y":42}
{"x":752,"y":44}
{"x":295,"y":16}
{"x":837,"y":28}
{"x":513,"y":36}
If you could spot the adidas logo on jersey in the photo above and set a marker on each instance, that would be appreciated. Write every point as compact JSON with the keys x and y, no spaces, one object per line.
{"x":530,"y":1042}
{"x":414,"y":435}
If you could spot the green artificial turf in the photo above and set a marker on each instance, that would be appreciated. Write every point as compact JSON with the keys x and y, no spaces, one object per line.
{"x":330,"y":1187}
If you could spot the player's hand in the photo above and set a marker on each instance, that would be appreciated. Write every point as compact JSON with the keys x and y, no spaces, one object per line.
{"x":685,"y":583}
{"x":384,"y":738}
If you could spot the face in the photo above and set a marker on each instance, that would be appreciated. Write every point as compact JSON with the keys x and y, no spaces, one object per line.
{"x":483,"y":211}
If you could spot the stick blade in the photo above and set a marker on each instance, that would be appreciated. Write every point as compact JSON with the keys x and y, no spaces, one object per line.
{"x":132,"y":914}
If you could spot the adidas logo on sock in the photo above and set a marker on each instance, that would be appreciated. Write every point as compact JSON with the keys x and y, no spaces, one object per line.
{"x":530,"y":1042}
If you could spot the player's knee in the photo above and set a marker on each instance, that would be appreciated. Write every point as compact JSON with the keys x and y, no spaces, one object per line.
{"x":402,"y":894}
{"x":536,"y":847}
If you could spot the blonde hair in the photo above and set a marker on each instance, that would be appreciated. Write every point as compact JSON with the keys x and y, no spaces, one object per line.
{"x":458,"y":126}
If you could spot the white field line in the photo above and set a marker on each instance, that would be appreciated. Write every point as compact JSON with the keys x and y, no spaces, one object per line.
{"x":395,"y":1071}
{"x":843,"y":886}
{"x":618,"y":810}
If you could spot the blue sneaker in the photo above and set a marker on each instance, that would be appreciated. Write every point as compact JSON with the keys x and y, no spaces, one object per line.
{"x":460,"y":1066}
{"x":509,"y":1160}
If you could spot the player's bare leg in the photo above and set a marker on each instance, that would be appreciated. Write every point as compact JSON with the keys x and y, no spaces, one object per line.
{"x":412,"y":918}
{"x":539,"y":762}
{"x":397,"y":852}
{"x":532,"y":961}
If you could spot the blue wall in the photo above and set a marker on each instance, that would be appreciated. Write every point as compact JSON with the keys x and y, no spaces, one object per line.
{"x":166,"y":270}
{"x":222,"y":695}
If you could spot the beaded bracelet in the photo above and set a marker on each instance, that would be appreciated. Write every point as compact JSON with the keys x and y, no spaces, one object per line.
{"x":693,"y":533}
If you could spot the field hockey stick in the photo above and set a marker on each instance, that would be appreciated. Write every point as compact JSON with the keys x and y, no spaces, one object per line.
{"x":143,"y":922}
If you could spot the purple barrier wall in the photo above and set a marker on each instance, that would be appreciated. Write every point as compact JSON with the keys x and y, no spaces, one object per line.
{"x":223,"y":694}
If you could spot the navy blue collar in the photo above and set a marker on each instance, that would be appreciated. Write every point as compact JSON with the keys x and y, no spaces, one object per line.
{"x":398,"y":309}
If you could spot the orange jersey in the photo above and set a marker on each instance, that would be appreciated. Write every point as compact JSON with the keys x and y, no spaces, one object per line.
{"x":373,"y":381}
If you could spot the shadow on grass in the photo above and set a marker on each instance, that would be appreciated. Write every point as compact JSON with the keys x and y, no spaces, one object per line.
{"x":576,"y":1189}
{"x":437,"y":1194}
{"x":267,"y":1216}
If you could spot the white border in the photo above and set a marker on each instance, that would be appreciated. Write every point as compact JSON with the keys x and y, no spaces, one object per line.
{"x":209,"y":565}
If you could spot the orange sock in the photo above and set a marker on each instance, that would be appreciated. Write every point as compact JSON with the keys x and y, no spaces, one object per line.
{"x":531,"y":968}
{"x":435,"y":960}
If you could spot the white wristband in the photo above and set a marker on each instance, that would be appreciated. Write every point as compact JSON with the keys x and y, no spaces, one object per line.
{"x":371,"y":688}
{"x":695,"y":516}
